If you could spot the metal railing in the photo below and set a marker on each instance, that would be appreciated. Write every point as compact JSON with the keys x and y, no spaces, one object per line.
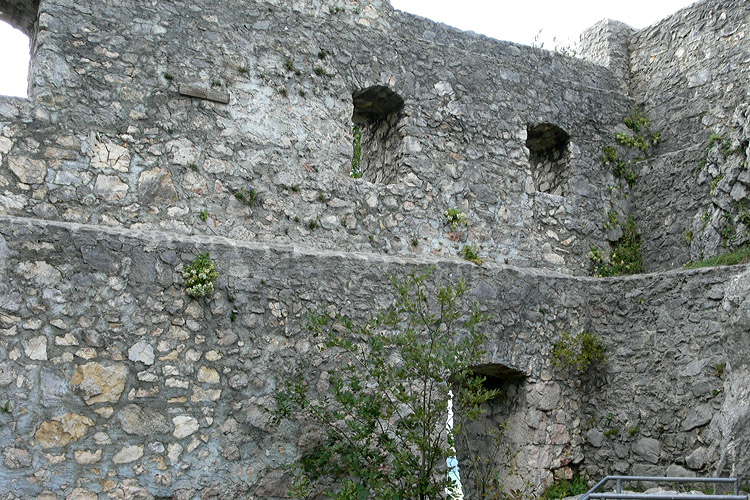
{"x":618,"y":494}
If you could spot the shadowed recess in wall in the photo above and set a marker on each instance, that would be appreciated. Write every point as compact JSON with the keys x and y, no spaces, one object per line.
{"x":548,"y":156}
{"x":377,"y":112}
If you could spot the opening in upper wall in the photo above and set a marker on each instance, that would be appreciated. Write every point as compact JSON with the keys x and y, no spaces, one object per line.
{"x":549,"y":157}
{"x":14,"y":61}
{"x":377,"y":135}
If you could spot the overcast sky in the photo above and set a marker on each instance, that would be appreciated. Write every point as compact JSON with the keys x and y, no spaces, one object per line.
{"x":517,"y":21}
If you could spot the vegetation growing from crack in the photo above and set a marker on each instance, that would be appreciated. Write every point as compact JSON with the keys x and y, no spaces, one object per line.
{"x":471,"y":253}
{"x":640,"y":139}
{"x":384,"y":415}
{"x":199,"y":276}
{"x":625,"y":257}
{"x":578,"y":352}
{"x":454,"y":217}
{"x":566,"y":488}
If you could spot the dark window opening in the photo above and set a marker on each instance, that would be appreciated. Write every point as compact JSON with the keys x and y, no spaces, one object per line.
{"x":549,"y":157}
{"x":377,"y":135}
{"x":497,"y":376}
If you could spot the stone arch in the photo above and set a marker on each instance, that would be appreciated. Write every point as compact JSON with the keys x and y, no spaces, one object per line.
{"x":377,"y":116}
{"x":549,"y":157}
{"x":21,"y":14}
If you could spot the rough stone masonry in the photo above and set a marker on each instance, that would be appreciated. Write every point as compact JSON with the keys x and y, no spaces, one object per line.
{"x":116,"y":384}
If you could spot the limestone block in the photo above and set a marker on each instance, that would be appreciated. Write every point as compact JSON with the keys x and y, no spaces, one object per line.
{"x":98,"y":383}
{"x":15,"y":458}
{"x":86,"y":457}
{"x":62,"y":430}
{"x":82,"y":494}
{"x":28,"y":170}
{"x":110,"y":156}
{"x":208,"y":375}
{"x":697,"y":417}
{"x":142,"y":421}
{"x":110,"y":187}
{"x":128,"y":454}
{"x":648,"y":449}
{"x":143,"y":352}
{"x":155,"y":187}
{"x":39,"y":272}
{"x":36,"y":348}
{"x":184,"y":426}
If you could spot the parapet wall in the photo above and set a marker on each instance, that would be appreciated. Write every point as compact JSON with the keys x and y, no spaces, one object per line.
{"x":118,"y":383}
{"x":110,"y":140}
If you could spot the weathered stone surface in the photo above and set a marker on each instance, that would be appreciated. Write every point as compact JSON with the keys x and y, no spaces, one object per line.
{"x":143,"y":352}
{"x":28,"y":170}
{"x":128,"y":454}
{"x":155,"y":186}
{"x":697,"y":417}
{"x":208,"y":375}
{"x":36,"y":348}
{"x":697,"y":459}
{"x":648,"y":449}
{"x":82,"y":494}
{"x":98,"y":383}
{"x":87,"y":457}
{"x":62,"y":430}
{"x":184,"y":426}
{"x":15,"y":458}
{"x":110,"y":182}
{"x":110,"y":187}
{"x":142,"y":421}
{"x":110,"y":156}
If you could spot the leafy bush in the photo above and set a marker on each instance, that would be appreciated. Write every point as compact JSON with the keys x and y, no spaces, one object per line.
{"x":384,"y":417}
{"x":578,"y":352}
{"x":566,"y":488}
{"x":199,"y":276}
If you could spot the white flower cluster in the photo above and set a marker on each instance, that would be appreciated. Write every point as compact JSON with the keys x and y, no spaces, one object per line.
{"x":199,"y":276}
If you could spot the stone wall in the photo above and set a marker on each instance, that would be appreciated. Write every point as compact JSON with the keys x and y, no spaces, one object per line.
{"x":112,"y":142}
{"x":689,"y":74}
{"x":114,"y":383}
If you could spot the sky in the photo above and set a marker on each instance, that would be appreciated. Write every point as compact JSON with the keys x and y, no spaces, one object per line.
{"x":528,"y":22}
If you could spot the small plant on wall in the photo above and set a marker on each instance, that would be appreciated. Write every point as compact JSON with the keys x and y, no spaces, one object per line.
{"x":625,"y":257}
{"x":578,"y":352}
{"x":199,"y":276}
{"x":454,"y":217}
{"x":247,"y":195}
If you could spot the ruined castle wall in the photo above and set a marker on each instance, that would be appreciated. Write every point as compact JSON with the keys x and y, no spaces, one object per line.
{"x":690,"y":74}
{"x":109,"y":140}
{"x":117,"y":382}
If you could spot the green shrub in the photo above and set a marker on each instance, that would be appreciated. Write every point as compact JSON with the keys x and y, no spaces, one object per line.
{"x":199,"y":276}
{"x":383,"y":417}
{"x":566,"y":488}
{"x":625,"y":257}
{"x":578,"y":352}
